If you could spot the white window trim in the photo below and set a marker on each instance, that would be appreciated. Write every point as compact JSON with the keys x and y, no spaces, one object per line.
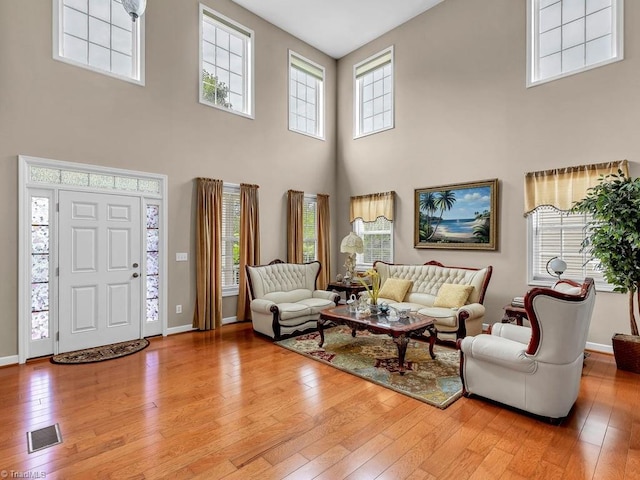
{"x":320,"y":98}
{"x":249,"y":55}
{"x":234,"y":290}
{"x":138,"y":48}
{"x":532,"y":44}
{"x":356,"y":94}
{"x":548,"y":281}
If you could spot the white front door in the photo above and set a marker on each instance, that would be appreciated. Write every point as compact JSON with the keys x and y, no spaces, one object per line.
{"x":100,"y":258}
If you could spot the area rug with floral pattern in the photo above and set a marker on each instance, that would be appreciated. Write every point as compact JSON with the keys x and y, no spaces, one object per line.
{"x":375,"y":358}
{"x":99,"y":354}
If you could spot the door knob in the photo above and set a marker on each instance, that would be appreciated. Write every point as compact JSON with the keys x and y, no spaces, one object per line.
{"x":135,"y":265}
{"x":135,"y":275}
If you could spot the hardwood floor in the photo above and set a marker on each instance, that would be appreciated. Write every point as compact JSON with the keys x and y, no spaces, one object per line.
{"x":228,"y":404}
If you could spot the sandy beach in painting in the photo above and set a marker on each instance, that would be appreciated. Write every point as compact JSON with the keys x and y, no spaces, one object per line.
{"x":444,"y":233}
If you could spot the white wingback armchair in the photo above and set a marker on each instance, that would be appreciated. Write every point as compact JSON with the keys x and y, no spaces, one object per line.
{"x":535,"y":369}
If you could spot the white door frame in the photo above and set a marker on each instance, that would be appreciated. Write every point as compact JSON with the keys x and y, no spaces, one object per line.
{"x":45,"y":177}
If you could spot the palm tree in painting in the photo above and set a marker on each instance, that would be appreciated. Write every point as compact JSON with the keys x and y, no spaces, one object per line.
{"x":482,"y":229}
{"x":444,"y":201}
{"x":427,"y":210}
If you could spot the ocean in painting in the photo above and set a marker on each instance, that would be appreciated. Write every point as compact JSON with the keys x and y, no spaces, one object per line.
{"x":462,"y":225}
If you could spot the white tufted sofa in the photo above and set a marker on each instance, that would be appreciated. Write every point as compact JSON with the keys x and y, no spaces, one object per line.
{"x":284,"y":298}
{"x":426,"y":281}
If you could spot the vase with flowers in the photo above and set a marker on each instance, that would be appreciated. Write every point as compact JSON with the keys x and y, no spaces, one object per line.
{"x":373,"y":288}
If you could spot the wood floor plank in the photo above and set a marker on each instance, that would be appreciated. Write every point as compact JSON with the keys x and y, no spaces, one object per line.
{"x":230,"y":404}
{"x":494,"y":465}
{"x":356,"y":458}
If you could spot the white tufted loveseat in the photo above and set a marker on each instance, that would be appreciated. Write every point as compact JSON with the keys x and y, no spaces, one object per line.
{"x":285,"y":300}
{"x":426,"y":281}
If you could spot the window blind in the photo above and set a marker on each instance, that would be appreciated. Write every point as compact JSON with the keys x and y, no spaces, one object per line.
{"x":376,"y":62}
{"x":555,"y":233}
{"x":230,"y":237}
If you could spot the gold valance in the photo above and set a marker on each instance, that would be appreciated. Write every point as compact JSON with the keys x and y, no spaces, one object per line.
{"x":370,"y":207}
{"x":562,"y":187}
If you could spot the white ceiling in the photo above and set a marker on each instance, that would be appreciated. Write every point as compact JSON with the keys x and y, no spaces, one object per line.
{"x":337,"y":27}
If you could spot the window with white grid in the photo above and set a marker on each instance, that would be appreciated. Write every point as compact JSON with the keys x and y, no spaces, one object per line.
{"x":377,"y":238}
{"x":306,"y":96}
{"x":230,"y":239}
{"x":101,"y":36}
{"x":374,"y":93}
{"x":310,"y":229}
{"x":559,"y":234}
{"x":226,"y":63}
{"x":571,"y":36}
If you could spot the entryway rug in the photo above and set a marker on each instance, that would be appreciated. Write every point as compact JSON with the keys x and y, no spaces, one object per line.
{"x":100,"y":354}
{"x":375,"y":358}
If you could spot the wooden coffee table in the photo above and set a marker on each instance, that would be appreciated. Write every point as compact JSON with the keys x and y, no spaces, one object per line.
{"x":400,"y":329}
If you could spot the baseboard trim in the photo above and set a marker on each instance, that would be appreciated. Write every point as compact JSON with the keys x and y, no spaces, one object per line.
{"x":599,"y":347}
{"x":10,"y":360}
{"x":189,"y":328}
{"x":228,"y":320}
{"x":180,"y":329}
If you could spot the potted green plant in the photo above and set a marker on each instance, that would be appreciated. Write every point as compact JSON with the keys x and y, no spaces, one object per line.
{"x":613,"y":238}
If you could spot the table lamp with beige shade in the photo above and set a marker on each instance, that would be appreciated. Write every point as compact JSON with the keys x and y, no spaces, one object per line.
{"x":351,"y":244}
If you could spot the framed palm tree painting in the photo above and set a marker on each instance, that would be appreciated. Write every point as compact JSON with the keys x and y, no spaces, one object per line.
{"x":461,"y":216}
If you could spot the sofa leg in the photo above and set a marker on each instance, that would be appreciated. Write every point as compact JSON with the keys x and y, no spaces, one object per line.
{"x":462,"y":324}
{"x":275,"y":324}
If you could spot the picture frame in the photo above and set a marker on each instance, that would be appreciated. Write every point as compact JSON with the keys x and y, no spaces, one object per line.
{"x":461,"y":216}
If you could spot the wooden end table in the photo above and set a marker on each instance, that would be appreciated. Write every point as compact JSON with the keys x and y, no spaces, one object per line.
{"x":400,"y":330}
{"x":348,"y":288}
{"x":514,"y":314}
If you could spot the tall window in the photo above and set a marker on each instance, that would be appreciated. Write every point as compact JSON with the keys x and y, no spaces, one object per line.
{"x":554,"y":233}
{"x":374,"y":93}
{"x":306,"y":96}
{"x":101,"y":36}
{"x":226,"y":63}
{"x":310,"y":229}
{"x":377,"y":237}
{"x":230,"y":239}
{"x":571,"y":36}
{"x":153,"y":262}
{"x":553,"y":230}
{"x":40,"y":261}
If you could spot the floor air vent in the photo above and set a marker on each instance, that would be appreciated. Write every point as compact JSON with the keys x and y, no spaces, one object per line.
{"x":44,"y":438}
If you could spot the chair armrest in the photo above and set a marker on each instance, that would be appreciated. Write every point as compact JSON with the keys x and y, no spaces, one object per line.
{"x":260,"y":305}
{"x":509,"y":331}
{"x":327,"y":295}
{"x":498,"y":351}
{"x":471,"y":311}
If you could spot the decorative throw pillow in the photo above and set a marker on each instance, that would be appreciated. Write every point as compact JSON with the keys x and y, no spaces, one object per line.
{"x":452,"y":295}
{"x":395,"y":289}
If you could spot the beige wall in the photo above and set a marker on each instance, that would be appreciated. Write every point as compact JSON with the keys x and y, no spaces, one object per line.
{"x":463,"y":114}
{"x":53,"y":110}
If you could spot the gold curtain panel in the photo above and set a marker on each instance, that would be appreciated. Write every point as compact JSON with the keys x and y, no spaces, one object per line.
{"x":208,"y":311}
{"x":370,"y":207}
{"x":562,"y":187}
{"x":249,"y":244}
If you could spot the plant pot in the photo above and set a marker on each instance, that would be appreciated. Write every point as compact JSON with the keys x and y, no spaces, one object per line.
{"x":626,"y":350}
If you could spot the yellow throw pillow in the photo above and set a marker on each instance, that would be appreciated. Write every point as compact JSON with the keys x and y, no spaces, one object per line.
{"x":452,"y":295}
{"x":395,"y":289}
